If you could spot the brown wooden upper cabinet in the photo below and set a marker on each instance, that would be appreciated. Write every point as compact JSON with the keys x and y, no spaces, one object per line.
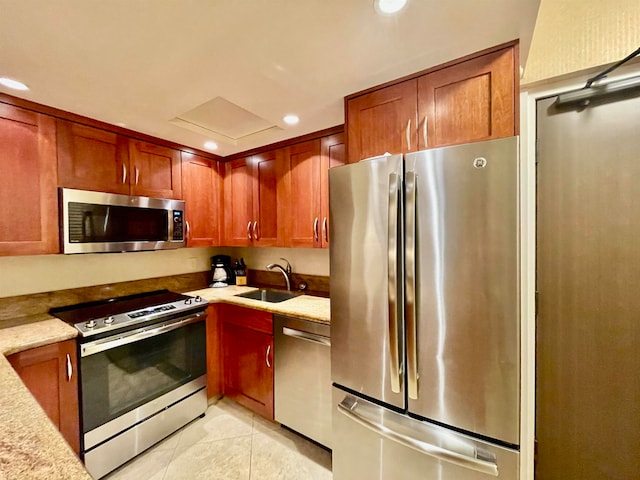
{"x":155,"y":170}
{"x":253,"y":200}
{"x":469,"y":101}
{"x":308,"y":192}
{"x":333,"y":152}
{"x":28,"y":183}
{"x":202,"y":192}
{"x":94,"y":159}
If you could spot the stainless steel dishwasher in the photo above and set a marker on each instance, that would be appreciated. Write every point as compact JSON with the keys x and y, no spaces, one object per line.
{"x":302,"y":357}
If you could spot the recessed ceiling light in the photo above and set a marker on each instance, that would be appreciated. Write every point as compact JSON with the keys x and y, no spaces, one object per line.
{"x":16,"y":85}
{"x":291,"y":119}
{"x":389,"y":7}
{"x":210,"y":145}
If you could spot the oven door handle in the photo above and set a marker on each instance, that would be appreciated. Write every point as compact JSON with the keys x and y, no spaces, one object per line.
{"x":125,"y":338}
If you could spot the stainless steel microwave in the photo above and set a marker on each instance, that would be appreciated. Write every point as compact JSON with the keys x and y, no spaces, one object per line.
{"x":93,"y":222}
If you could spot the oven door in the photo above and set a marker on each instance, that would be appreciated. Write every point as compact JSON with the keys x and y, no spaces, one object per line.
{"x":122,"y":375}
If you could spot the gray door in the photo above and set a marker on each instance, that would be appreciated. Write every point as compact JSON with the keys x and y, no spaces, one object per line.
{"x":365,"y":282}
{"x":463,"y":337}
{"x":588,"y":278}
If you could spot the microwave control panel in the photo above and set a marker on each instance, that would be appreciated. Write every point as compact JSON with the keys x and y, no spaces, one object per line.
{"x":178,"y":228}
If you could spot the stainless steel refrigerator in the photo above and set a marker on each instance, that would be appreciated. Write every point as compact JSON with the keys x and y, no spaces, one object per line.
{"x":425,"y":314}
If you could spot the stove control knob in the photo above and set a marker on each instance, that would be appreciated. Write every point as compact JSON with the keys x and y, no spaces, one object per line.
{"x":198,"y":298}
{"x":109,"y":320}
{"x":90,"y":324}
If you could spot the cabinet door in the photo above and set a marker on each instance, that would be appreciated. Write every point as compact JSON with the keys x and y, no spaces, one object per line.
{"x":155,"y":170}
{"x":238,"y":202}
{"x":202,"y":192}
{"x":333,"y":155}
{"x":92,"y":159}
{"x":382,"y":121}
{"x":268,"y":183}
{"x":248,"y":368}
{"x":468,"y":102}
{"x":28,"y":183}
{"x":50,"y":374}
{"x":304,"y":195}
{"x":214,"y":351}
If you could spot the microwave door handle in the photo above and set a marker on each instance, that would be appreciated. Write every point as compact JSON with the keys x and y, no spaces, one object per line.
{"x":106,"y":221}
{"x":410,"y":294}
{"x":87,"y":230}
{"x":392,"y":281}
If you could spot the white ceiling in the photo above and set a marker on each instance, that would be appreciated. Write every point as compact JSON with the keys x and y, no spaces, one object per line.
{"x":142,"y":63}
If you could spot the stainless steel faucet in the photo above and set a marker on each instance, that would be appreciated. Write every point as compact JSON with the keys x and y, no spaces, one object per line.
{"x":285,"y":271}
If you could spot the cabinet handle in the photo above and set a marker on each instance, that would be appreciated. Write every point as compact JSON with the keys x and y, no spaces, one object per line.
{"x":249,"y":230}
{"x":124,"y":173}
{"x":325,"y":232}
{"x":424,"y":132}
{"x":408,"y":133}
{"x":315,"y":229}
{"x":267,"y":356}
{"x":188,"y":229}
{"x":69,"y":368}
{"x":255,"y":230}
{"x":137,"y":175}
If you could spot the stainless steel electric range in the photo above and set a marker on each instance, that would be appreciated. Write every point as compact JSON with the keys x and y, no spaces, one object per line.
{"x":142,"y":372}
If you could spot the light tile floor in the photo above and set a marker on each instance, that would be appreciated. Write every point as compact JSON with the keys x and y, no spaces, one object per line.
{"x":230,"y":442}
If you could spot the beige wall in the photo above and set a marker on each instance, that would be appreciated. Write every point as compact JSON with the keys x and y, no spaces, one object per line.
{"x":576,"y":35}
{"x":43,"y":273}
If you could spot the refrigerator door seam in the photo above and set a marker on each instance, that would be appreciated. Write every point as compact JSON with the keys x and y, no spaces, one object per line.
{"x":392,"y":279}
{"x":410,"y":276}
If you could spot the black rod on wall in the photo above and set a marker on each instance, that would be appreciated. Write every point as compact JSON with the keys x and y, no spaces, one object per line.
{"x":603,"y":74}
{"x":583,"y":96}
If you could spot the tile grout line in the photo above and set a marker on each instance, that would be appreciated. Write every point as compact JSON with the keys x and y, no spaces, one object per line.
{"x":173,"y":453}
{"x":253,"y":431}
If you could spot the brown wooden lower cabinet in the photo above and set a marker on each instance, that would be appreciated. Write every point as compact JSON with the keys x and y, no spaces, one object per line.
{"x":247,"y":351}
{"x":51,"y":375}
{"x":214,"y":351}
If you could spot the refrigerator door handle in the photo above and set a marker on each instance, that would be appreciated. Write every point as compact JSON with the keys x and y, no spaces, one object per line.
{"x":392,"y":281}
{"x":348,"y":407}
{"x":410,"y":276}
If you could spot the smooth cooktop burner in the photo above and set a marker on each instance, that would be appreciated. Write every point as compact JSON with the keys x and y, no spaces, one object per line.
{"x":116,"y":313}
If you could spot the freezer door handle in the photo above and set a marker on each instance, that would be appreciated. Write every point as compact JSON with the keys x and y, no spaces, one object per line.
{"x":349,"y":406}
{"x":392,"y":282}
{"x":410,"y":276}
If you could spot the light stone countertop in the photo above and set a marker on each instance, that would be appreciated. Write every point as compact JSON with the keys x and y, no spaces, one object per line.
{"x":30,"y":445}
{"x":303,"y":306}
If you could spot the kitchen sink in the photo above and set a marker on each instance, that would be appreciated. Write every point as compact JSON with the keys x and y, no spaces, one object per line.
{"x":269,"y":295}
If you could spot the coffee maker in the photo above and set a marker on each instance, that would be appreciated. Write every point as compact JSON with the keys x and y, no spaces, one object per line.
{"x":221,"y":273}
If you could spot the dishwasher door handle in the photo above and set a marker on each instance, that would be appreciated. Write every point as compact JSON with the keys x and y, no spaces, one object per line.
{"x":309,"y":337}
